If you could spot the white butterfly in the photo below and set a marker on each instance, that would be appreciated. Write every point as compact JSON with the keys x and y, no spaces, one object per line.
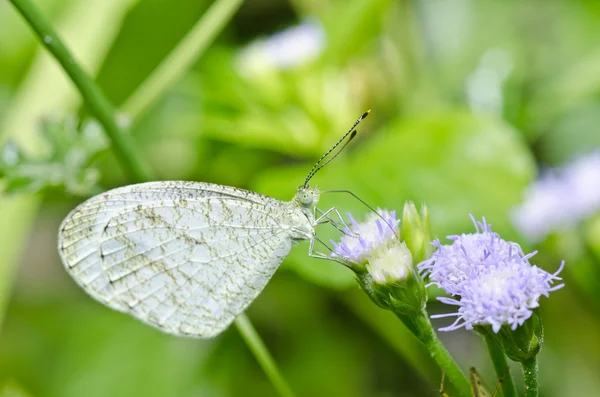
{"x":185,"y":257}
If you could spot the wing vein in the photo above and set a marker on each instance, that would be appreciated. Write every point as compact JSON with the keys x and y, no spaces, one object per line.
{"x":209,"y":291}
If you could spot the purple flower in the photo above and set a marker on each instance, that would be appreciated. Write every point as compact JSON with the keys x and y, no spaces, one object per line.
{"x":382,"y":262}
{"x":362,"y":239}
{"x":560,"y":198}
{"x":492,"y":277}
{"x":452,"y":266}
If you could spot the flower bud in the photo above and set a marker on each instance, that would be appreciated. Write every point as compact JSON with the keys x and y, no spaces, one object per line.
{"x":415,"y":231}
{"x":393,"y":282}
{"x":522,"y":343}
{"x":390,"y":265}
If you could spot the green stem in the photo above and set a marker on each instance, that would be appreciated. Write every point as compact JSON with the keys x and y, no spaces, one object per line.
{"x":97,"y":103}
{"x":262,"y":355}
{"x":501,"y":366}
{"x":400,"y":339}
{"x":421,"y":327}
{"x":182,"y":57}
{"x":530,"y":376}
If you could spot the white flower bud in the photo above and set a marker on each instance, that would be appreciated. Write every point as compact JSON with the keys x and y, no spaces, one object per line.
{"x":390,"y":264}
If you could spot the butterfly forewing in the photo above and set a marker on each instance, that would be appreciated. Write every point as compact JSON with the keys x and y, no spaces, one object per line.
{"x":185,"y":257}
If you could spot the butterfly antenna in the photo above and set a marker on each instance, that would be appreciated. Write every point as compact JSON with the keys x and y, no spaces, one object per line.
{"x":350,"y":135}
{"x":350,"y":138}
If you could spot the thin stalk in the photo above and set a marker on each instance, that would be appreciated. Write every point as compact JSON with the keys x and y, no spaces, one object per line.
{"x":421,"y":327}
{"x":384,"y":324}
{"x":530,"y":375}
{"x":94,"y":98}
{"x":262,"y":355}
{"x":182,"y":57}
{"x":501,"y":366}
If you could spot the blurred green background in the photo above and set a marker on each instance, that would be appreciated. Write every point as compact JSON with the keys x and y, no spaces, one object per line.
{"x":469,"y":100}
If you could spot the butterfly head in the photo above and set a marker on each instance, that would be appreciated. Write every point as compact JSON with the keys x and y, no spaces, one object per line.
{"x":307,"y":196}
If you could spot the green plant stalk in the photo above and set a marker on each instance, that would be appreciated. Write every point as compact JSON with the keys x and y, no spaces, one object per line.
{"x":182,"y":57}
{"x":262,"y":355}
{"x":530,"y":376}
{"x":383,"y":323}
{"x":95,"y":100}
{"x":122,"y":143}
{"x":501,"y":366}
{"x":420,"y":326}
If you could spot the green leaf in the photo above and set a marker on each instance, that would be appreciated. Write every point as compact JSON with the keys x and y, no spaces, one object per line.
{"x":287,"y":111}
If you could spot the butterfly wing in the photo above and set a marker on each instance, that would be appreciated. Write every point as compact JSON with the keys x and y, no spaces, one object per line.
{"x":185,"y":257}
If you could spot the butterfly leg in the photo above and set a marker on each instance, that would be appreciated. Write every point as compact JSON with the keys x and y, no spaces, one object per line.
{"x":311,"y":249}
{"x":442,"y":392}
{"x":320,"y":255}
{"x":323,"y":217}
{"x":347,"y":228}
{"x":497,"y":390}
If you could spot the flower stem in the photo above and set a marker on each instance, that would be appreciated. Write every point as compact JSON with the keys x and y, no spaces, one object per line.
{"x":501,"y":366}
{"x":95,"y":100}
{"x":263,"y":356}
{"x":530,"y":375}
{"x":182,"y":57}
{"x":384,"y":324}
{"x":421,"y":327}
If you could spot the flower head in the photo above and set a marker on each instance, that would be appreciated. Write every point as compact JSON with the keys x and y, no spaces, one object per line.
{"x":362,"y":239}
{"x":493,"y":279}
{"x":383,"y":263}
{"x":452,"y":266}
